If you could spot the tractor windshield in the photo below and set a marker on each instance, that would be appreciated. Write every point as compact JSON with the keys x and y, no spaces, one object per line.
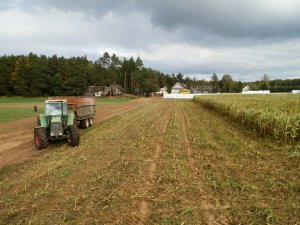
{"x":56,"y":109}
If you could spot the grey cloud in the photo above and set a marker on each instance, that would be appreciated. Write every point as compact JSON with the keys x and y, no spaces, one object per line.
{"x":89,"y":8}
{"x":247,"y":19}
{"x":229,"y":18}
{"x":244,"y":38}
{"x":7,"y":4}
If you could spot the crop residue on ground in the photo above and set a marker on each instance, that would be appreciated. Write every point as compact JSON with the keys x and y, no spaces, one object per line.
{"x":166,"y":162}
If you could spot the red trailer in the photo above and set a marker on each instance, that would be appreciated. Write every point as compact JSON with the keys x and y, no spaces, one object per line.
{"x":84,"y":109}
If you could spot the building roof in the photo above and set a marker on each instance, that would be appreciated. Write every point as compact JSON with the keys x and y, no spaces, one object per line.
{"x":179,"y":86}
{"x":95,"y":88}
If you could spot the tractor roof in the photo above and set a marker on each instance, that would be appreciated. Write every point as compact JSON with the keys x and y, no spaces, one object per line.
{"x":56,"y":101}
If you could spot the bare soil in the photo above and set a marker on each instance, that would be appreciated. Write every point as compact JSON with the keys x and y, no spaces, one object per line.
{"x":166,"y":162}
{"x":16,"y":138}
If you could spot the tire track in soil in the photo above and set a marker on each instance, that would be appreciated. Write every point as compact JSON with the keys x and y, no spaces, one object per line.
{"x":118,"y":109}
{"x":23,"y":149}
{"x":13,"y":142}
{"x":143,"y":206}
{"x":206,"y":207}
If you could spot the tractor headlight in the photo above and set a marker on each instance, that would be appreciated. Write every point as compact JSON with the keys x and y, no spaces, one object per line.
{"x":56,"y":133}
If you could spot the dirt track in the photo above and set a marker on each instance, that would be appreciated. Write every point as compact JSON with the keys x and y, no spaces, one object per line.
{"x":16,"y":138}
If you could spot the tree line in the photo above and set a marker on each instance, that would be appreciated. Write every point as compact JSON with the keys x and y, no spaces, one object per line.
{"x":40,"y":75}
{"x":33,"y":75}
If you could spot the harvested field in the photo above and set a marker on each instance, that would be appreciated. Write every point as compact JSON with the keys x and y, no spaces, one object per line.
{"x":166,"y":162}
{"x":16,"y":138}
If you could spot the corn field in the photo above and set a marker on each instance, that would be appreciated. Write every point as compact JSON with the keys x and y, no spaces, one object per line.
{"x":275,"y":116}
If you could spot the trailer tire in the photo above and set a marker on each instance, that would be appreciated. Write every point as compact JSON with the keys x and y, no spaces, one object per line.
{"x":74,"y":137}
{"x":90,"y":122}
{"x":40,"y":138}
{"x":85,"y":123}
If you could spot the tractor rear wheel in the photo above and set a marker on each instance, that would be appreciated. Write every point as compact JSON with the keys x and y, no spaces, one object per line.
{"x":40,"y":138}
{"x":74,"y":137}
{"x":85,"y":123}
{"x":90,"y":122}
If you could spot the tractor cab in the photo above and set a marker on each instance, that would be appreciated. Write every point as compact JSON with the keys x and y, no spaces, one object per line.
{"x":56,"y":108}
{"x":56,"y":112}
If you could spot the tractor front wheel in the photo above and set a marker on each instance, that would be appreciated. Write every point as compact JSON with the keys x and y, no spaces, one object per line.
{"x":40,"y":138}
{"x":74,"y":137}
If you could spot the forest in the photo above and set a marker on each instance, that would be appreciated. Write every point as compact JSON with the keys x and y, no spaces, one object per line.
{"x":35,"y":75}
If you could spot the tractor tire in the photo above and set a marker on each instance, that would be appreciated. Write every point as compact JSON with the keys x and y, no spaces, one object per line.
{"x":74,"y":137}
{"x":40,"y":138}
{"x":85,"y":123}
{"x":90,"y":122}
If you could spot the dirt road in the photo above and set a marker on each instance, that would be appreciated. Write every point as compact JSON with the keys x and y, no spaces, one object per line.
{"x":16,"y":138}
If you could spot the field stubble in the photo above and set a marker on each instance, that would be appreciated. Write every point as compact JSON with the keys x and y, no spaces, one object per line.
{"x":252,"y":181}
{"x":168,"y":162}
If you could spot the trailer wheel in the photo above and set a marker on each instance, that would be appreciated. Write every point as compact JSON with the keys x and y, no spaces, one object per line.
{"x":40,"y":138}
{"x":85,"y":123}
{"x":90,"y":122}
{"x":74,"y":137}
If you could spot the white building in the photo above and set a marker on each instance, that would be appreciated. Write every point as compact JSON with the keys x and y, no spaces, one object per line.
{"x":177,"y":88}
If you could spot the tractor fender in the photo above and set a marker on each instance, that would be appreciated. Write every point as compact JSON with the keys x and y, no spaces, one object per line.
{"x":70,"y":120}
{"x":42,"y":121}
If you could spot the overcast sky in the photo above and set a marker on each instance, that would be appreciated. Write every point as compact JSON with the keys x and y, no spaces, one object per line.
{"x":243,"y":38}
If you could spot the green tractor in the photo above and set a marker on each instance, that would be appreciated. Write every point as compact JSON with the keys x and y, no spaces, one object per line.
{"x":56,"y":123}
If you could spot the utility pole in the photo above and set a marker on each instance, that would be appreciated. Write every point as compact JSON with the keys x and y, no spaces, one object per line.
{"x":125,"y":83}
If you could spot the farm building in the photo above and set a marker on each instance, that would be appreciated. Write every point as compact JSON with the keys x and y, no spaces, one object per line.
{"x":100,"y":91}
{"x":161,"y":91}
{"x":246,"y":90}
{"x":179,"y":88}
{"x":295,"y":91}
{"x":202,"y":89}
{"x":115,"y":90}
{"x":95,"y":91}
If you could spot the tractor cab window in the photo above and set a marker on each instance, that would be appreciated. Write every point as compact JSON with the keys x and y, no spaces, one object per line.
{"x":56,"y":109}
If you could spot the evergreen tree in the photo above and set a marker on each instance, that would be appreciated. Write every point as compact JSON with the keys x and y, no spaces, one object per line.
{"x":214,"y":81}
